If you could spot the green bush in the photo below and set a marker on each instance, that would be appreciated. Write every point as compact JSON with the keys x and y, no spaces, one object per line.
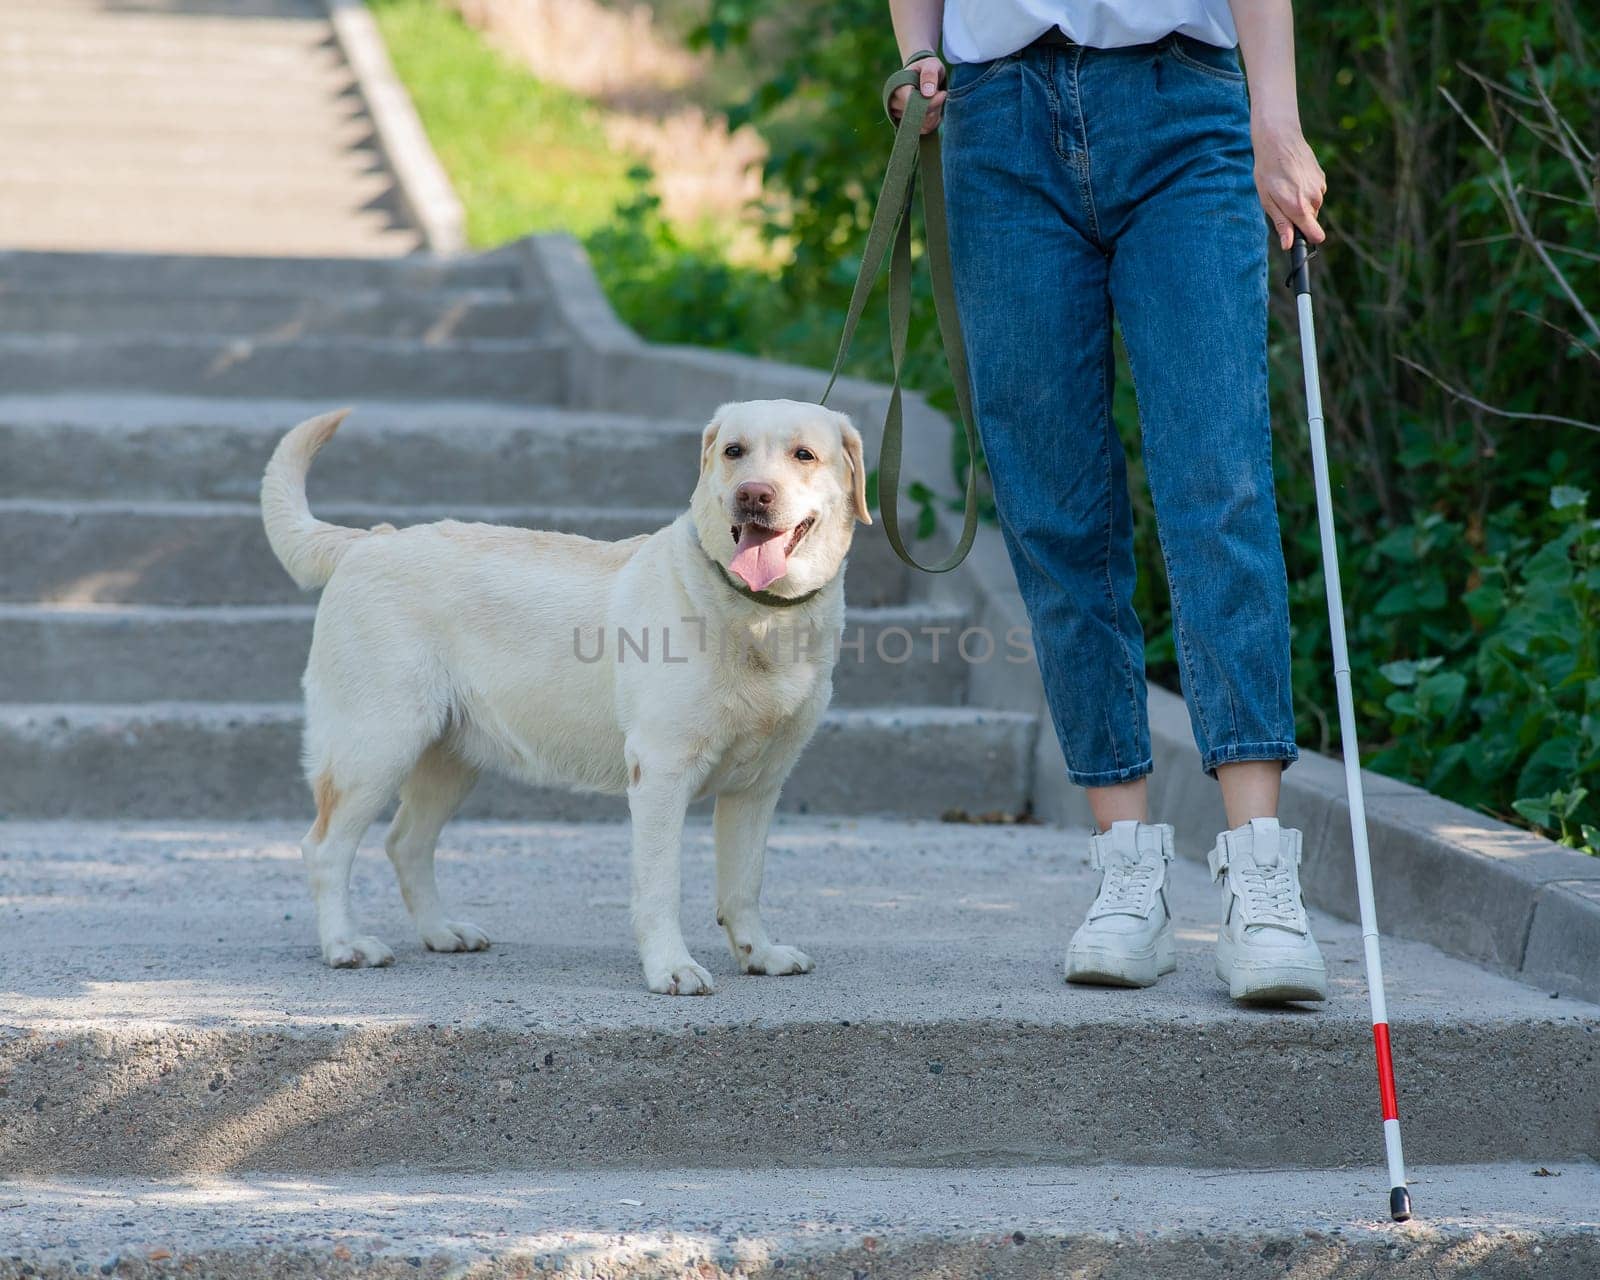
{"x":672,"y":290}
{"x":1510,"y":704}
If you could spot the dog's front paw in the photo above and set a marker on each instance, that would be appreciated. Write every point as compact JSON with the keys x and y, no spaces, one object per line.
{"x":776,"y":961}
{"x":456,"y":935}
{"x":685,"y":979}
{"x":365,"y":952}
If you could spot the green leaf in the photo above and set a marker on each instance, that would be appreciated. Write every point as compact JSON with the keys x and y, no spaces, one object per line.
{"x":1535,"y":810}
{"x":1553,"y":764}
{"x":1401,"y":672}
{"x":1400,"y":545}
{"x":1485,"y":603}
{"x":1567,"y":495}
{"x":1401,"y":703}
{"x":1566,"y":803}
{"x":1551,"y":565}
{"x":1404,"y":671}
{"x":1398,"y":599}
{"x":1441,"y":694}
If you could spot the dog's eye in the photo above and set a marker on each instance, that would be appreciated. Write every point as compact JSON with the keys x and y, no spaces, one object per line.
{"x":804,"y":454}
{"x":733,"y":451}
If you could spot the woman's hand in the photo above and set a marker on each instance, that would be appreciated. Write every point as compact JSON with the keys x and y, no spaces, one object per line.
{"x":1289,"y":181}
{"x":930,"y":72}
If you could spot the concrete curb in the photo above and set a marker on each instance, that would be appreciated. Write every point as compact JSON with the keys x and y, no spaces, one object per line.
{"x":1019,"y":1223}
{"x":424,"y":186}
{"x":1468,"y":884}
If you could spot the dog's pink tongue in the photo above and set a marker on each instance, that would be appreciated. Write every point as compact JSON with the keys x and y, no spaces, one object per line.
{"x":760,"y":558}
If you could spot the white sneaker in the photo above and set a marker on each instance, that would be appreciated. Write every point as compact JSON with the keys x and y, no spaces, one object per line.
{"x":1265,"y":950}
{"x":1126,"y":939}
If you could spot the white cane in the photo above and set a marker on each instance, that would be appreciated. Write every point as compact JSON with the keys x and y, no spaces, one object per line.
{"x":1300,"y":281}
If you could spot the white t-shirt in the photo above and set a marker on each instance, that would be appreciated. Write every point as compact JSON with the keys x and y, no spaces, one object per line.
{"x":978,"y":30}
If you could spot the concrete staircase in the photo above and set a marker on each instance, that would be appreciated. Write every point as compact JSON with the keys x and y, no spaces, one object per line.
{"x":199,"y":126}
{"x":184,"y":1089}
{"x":157,"y":644}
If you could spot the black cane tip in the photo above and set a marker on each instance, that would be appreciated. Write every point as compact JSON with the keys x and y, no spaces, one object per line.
{"x":1400,"y":1204}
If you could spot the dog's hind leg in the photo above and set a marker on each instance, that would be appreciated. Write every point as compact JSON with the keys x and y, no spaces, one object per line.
{"x":434,"y":791}
{"x":343,"y":815}
{"x":740,"y":824}
{"x":353,"y":776}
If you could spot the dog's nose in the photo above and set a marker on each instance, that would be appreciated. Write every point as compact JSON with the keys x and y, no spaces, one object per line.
{"x":755,"y":494}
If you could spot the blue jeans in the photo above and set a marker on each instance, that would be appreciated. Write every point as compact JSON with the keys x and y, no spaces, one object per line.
{"x":1084,"y":183}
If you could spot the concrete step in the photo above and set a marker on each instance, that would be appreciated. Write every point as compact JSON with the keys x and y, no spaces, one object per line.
{"x":167,"y":1014}
{"x":902,"y":656}
{"x":485,"y":368}
{"x":102,"y":274}
{"x":238,"y":760}
{"x":194,"y":66}
{"x":160,"y":448}
{"x":285,"y":71}
{"x":434,"y":316}
{"x":1492,"y":1222}
{"x":83,"y":47}
{"x":215,"y":13}
{"x":325,"y":209}
{"x":199,"y":154}
{"x":41,"y":108}
{"x":182,"y":553}
{"x":210,"y":49}
{"x":213,"y":552}
{"x":64,"y":218}
{"x":333,"y":99}
{"x":278,"y":189}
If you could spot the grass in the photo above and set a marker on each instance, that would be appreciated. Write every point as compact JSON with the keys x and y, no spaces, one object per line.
{"x":524,"y":156}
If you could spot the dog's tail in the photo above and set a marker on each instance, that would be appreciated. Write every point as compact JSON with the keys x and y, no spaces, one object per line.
{"x":308,"y":548}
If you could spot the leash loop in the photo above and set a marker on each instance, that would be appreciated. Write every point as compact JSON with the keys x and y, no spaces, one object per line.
{"x":914,"y":154}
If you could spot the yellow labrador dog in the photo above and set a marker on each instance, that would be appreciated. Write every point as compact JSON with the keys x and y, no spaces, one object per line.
{"x":692,"y":661}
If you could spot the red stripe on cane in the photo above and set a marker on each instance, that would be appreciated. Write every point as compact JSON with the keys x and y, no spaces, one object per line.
{"x":1380,"y":1037}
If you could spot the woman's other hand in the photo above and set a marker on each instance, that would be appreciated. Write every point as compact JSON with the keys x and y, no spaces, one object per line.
{"x":930,"y":83}
{"x":1289,"y":181}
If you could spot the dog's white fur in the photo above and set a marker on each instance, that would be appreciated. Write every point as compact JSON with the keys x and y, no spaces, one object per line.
{"x":444,"y":649}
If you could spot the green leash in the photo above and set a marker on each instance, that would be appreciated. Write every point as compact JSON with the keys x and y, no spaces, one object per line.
{"x":890,"y":234}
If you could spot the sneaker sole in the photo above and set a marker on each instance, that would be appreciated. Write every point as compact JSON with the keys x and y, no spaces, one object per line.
{"x":1103,"y":967}
{"x":1271,"y":984}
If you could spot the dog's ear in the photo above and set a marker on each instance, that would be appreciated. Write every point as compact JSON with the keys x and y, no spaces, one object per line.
{"x":708,"y":439}
{"x":858,"y":467}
